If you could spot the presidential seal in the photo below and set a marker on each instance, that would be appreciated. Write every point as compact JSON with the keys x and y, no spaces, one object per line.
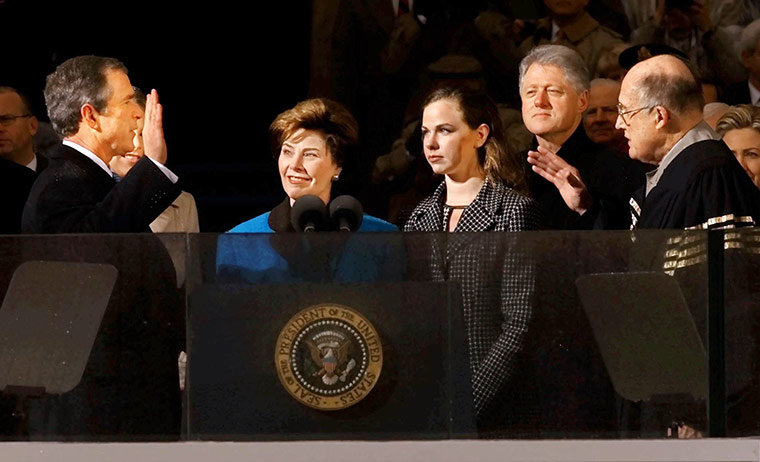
{"x":328,"y":357}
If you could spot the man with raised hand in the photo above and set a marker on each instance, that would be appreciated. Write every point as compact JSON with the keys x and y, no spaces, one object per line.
{"x":91,"y":105}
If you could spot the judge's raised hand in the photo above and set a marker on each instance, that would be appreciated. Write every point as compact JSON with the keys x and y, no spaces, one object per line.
{"x":563,"y":176}
{"x":153,"y":131}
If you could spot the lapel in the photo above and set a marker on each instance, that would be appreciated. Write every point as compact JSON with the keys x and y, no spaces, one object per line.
{"x":279,"y":217}
{"x":42,"y":163}
{"x":428,"y":217}
{"x":479,"y":216}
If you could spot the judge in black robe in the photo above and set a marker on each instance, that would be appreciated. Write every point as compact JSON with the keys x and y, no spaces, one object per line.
{"x":701,"y":186}
{"x":697,"y":185}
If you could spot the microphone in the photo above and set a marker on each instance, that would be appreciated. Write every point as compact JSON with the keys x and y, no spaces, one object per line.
{"x":346,"y":213}
{"x":308,"y":214}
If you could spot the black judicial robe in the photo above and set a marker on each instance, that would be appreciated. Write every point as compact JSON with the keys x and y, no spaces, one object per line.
{"x":704,"y":187}
{"x":609,"y":178}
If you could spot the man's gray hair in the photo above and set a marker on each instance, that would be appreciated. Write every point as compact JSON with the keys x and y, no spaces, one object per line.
{"x":677,"y":93}
{"x":565,"y":58}
{"x":750,"y":36}
{"x":75,"y":82}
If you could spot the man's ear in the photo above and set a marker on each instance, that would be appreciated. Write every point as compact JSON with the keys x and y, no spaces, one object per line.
{"x":662,"y":117}
{"x":583,"y":99}
{"x":34,"y":125}
{"x":90,"y":116}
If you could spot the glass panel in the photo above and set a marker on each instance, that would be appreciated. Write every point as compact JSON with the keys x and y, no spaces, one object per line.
{"x":618,"y":333}
{"x":368,"y":336}
{"x":742,"y":312}
{"x":583,"y":335}
{"x":91,"y":328}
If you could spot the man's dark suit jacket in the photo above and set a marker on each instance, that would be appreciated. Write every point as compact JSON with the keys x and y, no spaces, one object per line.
{"x":609,"y":178}
{"x":74,"y":195}
{"x":737,"y":93}
{"x":15,"y":183}
{"x":569,"y":365}
{"x":129,"y":389}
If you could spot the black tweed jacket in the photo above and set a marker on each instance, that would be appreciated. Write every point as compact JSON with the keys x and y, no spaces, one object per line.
{"x":497,"y":279}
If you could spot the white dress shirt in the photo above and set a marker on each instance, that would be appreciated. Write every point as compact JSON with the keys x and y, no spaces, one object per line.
{"x":90,"y":155}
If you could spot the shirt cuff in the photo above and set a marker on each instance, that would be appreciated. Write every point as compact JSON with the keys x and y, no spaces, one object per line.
{"x":169,"y":174}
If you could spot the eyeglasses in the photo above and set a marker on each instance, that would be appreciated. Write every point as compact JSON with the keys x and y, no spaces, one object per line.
{"x":622,"y":112}
{"x":8,"y":120}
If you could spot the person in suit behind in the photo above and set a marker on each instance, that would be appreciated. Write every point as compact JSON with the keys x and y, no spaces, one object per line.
{"x":599,"y":118}
{"x":182,"y":215}
{"x":19,"y":165}
{"x":746,"y":91}
{"x":483,"y":190}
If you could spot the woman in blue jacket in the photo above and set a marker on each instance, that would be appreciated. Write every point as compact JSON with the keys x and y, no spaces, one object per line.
{"x":311,"y":143}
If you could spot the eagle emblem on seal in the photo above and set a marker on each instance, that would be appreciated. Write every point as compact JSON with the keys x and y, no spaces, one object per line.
{"x":330,"y":356}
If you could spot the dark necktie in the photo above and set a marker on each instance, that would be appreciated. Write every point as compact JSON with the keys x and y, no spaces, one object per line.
{"x":403,"y":7}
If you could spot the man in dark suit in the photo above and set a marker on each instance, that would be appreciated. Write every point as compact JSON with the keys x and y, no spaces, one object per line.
{"x":747,"y":91}
{"x":19,"y":165}
{"x":129,"y":389}
{"x":77,"y":193}
{"x":554,"y":88}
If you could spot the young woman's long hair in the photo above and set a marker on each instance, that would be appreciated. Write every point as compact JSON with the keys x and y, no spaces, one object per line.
{"x":500,"y":165}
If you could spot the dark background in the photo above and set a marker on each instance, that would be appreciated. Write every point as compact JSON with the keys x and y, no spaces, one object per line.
{"x":223,"y":72}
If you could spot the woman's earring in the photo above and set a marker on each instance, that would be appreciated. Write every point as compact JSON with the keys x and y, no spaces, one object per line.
{"x":335,"y":178}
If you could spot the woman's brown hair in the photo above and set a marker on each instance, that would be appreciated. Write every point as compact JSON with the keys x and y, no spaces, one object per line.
{"x":332,"y":119}
{"x":500,"y":165}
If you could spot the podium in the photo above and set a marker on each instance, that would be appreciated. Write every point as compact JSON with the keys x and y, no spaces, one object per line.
{"x":235,"y":391}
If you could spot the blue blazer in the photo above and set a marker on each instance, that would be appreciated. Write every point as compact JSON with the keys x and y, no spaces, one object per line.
{"x":278,"y":254}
